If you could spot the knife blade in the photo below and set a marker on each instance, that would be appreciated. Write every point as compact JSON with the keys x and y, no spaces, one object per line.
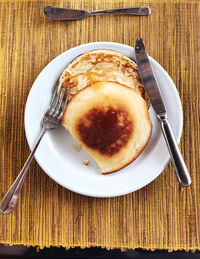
{"x":148,"y":78}
{"x":150,"y":83}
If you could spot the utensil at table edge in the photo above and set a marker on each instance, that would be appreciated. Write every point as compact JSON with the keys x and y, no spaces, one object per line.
{"x":150,"y":84}
{"x":51,"y":120}
{"x":64,"y":14}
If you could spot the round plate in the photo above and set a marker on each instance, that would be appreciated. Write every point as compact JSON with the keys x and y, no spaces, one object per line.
{"x":57,"y":153}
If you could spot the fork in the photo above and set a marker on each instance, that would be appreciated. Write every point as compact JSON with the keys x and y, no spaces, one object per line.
{"x":51,"y":120}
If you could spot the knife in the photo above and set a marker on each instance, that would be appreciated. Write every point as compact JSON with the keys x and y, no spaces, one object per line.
{"x":64,"y":14}
{"x":151,"y":86}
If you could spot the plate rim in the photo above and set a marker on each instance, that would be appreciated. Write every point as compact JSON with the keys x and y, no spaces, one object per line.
{"x":146,"y":182}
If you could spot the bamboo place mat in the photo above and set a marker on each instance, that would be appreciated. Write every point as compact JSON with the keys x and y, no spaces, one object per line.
{"x":160,"y":215}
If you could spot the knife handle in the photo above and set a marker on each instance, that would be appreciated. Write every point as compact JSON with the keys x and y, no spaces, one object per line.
{"x":176,"y":157}
{"x":142,"y":10}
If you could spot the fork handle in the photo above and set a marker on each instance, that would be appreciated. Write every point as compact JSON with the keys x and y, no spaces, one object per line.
{"x":10,"y":199}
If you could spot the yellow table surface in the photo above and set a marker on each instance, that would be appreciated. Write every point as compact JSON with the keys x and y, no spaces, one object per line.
{"x":161,"y":215}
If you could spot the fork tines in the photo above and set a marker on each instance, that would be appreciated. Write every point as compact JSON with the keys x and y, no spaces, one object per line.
{"x":59,"y":101}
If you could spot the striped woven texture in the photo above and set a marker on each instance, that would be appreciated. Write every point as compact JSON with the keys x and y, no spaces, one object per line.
{"x":160,"y":215}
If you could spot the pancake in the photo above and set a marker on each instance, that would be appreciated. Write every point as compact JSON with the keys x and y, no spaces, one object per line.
{"x":102,"y":65}
{"x":111,"y":121}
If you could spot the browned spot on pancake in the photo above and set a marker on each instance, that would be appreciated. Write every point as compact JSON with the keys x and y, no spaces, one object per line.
{"x":128,"y":65}
{"x":101,"y":57}
{"x":74,"y":65}
{"x":66,"y":81}
{"x":106,"y":130}
{"x":142,"y":91}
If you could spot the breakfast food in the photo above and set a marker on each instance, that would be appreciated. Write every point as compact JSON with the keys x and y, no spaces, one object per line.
{"x":102,"y":65}
{"x":107,"y":112}
{"x":111,"y":121}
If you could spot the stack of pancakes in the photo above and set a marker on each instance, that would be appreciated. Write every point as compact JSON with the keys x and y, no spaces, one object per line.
{"x":108,"y":108}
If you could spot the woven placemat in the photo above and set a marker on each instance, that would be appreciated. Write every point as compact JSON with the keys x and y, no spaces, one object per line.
{"x":161,"y":215}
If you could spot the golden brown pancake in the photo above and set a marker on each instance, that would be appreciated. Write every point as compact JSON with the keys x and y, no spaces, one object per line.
{"x":102,"y":65}
{"x":111,"y":121}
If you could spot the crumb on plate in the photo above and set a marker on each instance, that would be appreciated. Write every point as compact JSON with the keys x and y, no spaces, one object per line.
{"x":85,"y":162}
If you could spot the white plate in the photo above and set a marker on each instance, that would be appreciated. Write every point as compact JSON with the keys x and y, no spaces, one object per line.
{"x":56,"y":154}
